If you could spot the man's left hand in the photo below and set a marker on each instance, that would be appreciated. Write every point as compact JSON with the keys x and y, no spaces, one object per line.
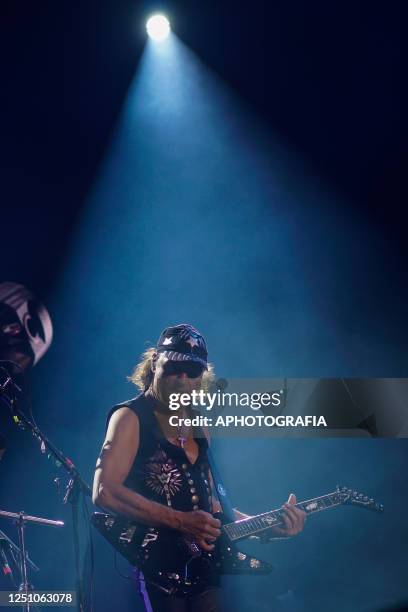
{"x":293,"y":518}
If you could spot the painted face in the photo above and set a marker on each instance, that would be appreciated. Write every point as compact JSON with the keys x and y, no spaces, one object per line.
{"x":175,"y":377}
{"x":25,"y":326}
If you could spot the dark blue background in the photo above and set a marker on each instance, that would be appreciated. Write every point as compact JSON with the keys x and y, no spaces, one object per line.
{"x":254,"y":184}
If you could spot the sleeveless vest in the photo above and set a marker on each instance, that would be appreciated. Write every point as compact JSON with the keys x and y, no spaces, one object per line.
{"x":161,"y":470}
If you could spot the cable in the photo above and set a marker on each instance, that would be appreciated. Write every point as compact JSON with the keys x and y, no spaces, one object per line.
{"x":345,"y":385}
{"x":28,"y":398}
{"x":89,"y":584}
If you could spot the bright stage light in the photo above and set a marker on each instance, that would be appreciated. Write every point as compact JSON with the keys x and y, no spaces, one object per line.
{"x":158,"y":27}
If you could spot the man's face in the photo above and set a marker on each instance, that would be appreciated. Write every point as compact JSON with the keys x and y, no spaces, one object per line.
{"x":175,"y":377}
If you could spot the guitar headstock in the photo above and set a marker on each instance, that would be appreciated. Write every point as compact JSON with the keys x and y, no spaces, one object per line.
{"x":349,"y":496}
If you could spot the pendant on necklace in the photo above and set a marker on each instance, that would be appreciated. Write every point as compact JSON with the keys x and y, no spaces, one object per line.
{"x":183,"y":434}
{"x":182,"y":440}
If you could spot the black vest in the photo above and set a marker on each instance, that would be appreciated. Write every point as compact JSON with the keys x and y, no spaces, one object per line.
{"x":161,"y":470}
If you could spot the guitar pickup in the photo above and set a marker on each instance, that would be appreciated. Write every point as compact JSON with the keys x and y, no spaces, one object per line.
{"x":127,"y":536}
{"x":151,"y":536}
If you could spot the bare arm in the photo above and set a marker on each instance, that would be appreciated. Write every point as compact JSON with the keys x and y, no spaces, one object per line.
{"x":118,"y":453}
{"x":119,"y":450}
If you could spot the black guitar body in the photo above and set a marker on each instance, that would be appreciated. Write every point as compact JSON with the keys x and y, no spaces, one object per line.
{"x":176,"y":564}
{"x":172,"y":561}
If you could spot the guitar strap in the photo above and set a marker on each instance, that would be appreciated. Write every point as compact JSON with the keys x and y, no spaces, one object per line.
{"x":221,"y":490}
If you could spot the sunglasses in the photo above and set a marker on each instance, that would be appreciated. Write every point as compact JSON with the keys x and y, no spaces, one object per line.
{"x":191,"y":368}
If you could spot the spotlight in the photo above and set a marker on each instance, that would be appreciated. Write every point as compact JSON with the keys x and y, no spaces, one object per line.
{"x":158,"y":27}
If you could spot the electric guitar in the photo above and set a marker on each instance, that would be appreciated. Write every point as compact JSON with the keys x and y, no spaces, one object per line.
{"x":176,"y":564}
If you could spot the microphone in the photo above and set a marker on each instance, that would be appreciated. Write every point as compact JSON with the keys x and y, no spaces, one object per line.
{"x":8,"y":388}
{"x":219,"y":385}
{"x":5,"y":379}
{"x":4,"y":562}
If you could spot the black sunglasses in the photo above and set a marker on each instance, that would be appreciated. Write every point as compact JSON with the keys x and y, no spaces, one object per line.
{"x":191,"y":368}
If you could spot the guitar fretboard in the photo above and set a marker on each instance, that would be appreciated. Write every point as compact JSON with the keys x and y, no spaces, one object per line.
{"x":244,"y":528}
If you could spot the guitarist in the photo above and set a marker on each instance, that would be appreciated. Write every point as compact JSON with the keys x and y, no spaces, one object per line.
{"x":158,"y":475}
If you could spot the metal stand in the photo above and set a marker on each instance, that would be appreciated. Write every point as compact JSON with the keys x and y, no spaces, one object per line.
{"x":72,"y":494}
{"x":20,"y":521}
{"x":5,"y":541}
{"x":75,"y":486}
{"x":24,"y":587}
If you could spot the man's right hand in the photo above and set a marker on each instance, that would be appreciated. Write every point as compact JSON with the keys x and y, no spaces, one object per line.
{"x":202,"y":526}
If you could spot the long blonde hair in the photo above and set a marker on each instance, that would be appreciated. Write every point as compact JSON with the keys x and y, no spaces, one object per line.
{"x":142,"y":374}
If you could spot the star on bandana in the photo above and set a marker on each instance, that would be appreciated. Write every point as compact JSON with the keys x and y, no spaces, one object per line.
{"x":168,"y":341}
{"x":192,"y":342}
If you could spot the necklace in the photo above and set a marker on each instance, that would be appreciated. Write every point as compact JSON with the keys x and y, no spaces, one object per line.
{"x":183,"y":432}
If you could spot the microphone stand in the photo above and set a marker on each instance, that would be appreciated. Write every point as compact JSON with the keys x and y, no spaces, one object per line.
{"x":76,"y":485}
{"x":20,"y":520}
{"x":6,"y":548}
{"x":14,"y":549}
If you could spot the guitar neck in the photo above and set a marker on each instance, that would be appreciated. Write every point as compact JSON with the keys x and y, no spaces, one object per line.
{"x":245,"y":528}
